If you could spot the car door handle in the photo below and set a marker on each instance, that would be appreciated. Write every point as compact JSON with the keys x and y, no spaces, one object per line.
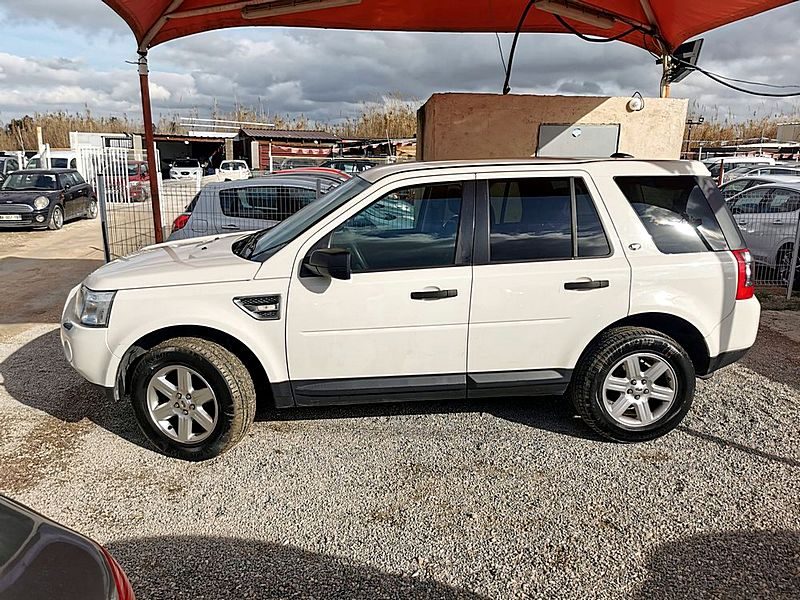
{"x":777,"y":222}
{"x":434,"y":294}
{"x":586,"y":285}
{"x":236,"y":227}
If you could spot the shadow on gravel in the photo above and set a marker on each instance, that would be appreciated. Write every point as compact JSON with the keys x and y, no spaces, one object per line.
{"x":188,"y":568}
{"x":732,"y":565}
{"x":39,"y":376}
{"x":741,"y":447}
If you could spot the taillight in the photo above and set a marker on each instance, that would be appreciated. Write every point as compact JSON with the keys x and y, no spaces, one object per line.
{"x":180,"y":222}
{"x":124,"y":589}
{"x":744,"y":278}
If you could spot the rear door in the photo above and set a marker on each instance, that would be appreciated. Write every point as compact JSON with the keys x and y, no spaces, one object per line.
{"x":548,"y":275}
{"x":748,"y":212}
{"x":778,"y":222}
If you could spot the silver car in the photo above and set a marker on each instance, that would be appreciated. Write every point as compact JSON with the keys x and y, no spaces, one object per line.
{"x":243,"y":206}
{"x":768,"y":218}
{"x":737,"y":186}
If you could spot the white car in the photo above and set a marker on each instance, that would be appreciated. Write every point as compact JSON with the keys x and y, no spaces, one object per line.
{"x":616,"y":282}
{"x":767,"y":216}
{"x":186,"y":168}
{"x":233,"y":170}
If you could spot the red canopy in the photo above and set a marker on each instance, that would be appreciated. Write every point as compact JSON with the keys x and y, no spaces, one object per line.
{"x":671,"y":21}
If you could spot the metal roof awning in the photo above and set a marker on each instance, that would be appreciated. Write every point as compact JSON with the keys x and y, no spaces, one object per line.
{"x":657,"y":25}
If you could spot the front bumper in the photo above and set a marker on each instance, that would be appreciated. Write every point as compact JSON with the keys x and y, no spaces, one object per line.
{"x":23,"y":215}
{"x":86,"y":348}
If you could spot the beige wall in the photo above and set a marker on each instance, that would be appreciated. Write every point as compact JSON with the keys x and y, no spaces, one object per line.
{"x":473,"y":126}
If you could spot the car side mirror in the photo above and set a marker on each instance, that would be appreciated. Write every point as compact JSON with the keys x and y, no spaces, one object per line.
{"x":67,"y":186}
{"x":330,"y":262}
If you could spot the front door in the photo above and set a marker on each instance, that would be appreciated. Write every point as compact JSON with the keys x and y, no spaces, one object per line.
{"x":397,"y":330}
{"x":73,"y":202}
{"x":549,"y":275}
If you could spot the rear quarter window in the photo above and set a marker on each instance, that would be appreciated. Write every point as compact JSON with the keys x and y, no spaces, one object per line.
{"x":682,"y":213}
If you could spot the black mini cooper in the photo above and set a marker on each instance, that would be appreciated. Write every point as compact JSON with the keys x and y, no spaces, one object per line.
{"x":45,"y":198}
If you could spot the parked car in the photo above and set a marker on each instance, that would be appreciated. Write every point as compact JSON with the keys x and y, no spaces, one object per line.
{"x":59,"y":159}
{"x":234,"y":170}
{"x":185,"y":168}
{"x":777,"y":169}
{"x":616,"y":282}
{"x":8,"y":164}
{"x":42,"y":560}
{"x":767,"y":216}
{"x":45,"y":198}
{"x":737,"y":186}
{"x":243,"y":206}
{"x":138,"y":180}
{"x":349,"y":165}
{"x":730,"y":163}
{"x":297,"y":163}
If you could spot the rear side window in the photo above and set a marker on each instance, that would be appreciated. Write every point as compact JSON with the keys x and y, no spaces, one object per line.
{"x":782,"y":200}
{"x":532,"y":219}
{"x":273,"y":203}
{"x":681,"y":213}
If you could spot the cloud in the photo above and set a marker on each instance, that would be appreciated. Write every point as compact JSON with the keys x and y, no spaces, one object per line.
{"x":328,"y":74}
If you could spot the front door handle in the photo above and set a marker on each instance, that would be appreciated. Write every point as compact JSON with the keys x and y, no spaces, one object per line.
{"x":434,"y":294}
{"x":586,"y":285}
{"x":777,"y":222}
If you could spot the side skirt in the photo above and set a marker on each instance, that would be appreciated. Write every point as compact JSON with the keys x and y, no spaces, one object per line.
{"x":370,"y":390}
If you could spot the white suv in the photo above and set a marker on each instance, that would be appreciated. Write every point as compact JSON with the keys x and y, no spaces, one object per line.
{"x":615,"y":282}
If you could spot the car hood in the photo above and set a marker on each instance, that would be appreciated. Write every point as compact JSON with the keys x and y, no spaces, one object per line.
{"x":187,"y":262}
{"x":24,"y":196}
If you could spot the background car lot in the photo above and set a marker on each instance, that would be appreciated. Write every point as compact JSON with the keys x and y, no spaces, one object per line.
{"x":502,"y":498}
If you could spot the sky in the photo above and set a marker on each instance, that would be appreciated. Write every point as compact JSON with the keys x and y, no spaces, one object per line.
{"x":71,"y":55}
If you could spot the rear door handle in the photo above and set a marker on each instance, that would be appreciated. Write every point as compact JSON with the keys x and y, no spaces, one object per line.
{"x":236,"y":227}
{"x":434,"y":294}
{"x":777,"y":222}
{"x":586,"y":285}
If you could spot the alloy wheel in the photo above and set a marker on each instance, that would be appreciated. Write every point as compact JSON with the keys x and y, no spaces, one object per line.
{"x":639,"y":390}
{"x":182,"y":404}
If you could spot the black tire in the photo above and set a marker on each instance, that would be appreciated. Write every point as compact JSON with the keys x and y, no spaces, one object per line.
{"x":56,"y":221}
{"x":782,"y":265}
{"x":91,"y":212}
{"x":225,"y":374}
{"x":586,"y":390}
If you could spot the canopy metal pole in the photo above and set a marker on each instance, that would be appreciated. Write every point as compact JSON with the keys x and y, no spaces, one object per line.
{"x":666,"y":63}
{"x":149,"y":142}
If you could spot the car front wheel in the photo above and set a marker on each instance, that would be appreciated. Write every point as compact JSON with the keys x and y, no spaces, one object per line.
{"x":56,"y":218}
{"x":633,"y":384}
{"x":193,"y":399}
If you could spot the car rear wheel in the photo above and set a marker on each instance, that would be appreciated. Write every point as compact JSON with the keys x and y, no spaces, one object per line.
{"x":56,"y":218}
{"x":193,"y":398}
{"x":633,"y":384}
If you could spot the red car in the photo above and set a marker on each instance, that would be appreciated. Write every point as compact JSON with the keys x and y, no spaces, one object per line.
{"x":138,"y":180}
{"x":42,"y":560}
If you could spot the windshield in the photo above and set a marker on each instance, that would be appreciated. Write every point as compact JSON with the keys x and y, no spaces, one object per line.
{"x":30,"y":181}
{"x":186,"y":164}
{"x":263,"y":244}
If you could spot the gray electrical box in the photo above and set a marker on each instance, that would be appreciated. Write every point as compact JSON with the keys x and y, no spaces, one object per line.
{"x":585,"y":141}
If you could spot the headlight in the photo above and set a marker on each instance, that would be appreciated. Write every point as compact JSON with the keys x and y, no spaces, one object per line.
{"x":41,"y":202}
{"x":94,"y":308}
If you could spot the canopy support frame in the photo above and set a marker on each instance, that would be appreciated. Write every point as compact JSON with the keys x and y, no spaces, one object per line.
{"x":150,"y":145}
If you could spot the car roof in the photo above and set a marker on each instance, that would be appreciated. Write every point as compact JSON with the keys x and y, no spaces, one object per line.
{"x":613,"y":166}
{"x":46,"y":171}
{"x":260,"y":181}
{"x":788,"y":185}
{"x":767,"y":178}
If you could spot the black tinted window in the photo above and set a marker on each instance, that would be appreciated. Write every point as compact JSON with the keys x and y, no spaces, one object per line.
{"x":531,"y":219}
{"x":592,"y":239}
{"x":411,"y":228}
{"x":675,"y":212}
{"x":273,"y":203}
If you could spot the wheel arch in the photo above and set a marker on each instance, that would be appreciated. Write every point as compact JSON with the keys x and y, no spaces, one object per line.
{"x":678,"y":328}
{"x":264,"y":390}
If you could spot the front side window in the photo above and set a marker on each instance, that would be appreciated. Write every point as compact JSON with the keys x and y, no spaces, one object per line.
{"x":781,"y":201}
{"x":410,"y":228}
{"x":531,"y":219}
{"x":750,"y":201}
{"x":676,"y":212}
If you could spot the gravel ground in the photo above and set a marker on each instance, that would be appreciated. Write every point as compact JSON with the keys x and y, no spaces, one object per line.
{"x":498,"y":499}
